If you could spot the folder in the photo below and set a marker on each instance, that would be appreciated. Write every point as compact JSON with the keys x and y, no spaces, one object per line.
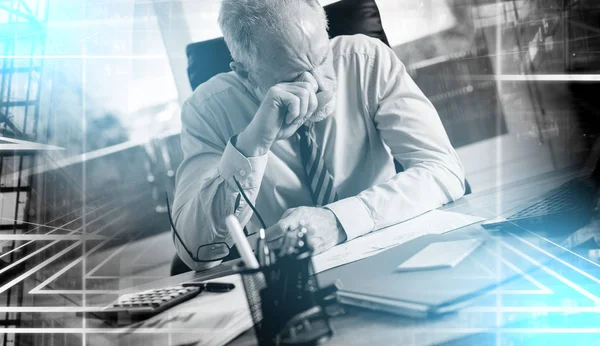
{"x":375,"y":282}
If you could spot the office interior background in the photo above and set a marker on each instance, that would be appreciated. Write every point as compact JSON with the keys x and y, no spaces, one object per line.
{"x":515,"y":84}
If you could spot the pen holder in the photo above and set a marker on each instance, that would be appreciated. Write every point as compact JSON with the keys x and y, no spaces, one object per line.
{"x":285,"y":302}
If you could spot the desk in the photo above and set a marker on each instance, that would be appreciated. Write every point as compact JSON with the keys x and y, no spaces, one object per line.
{"x":498,"y":308}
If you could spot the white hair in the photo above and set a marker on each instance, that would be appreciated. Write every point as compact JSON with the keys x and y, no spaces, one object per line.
{"x":245,"y":23}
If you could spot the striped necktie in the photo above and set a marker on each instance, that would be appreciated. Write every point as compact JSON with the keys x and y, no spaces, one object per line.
{"x":320,"y":180}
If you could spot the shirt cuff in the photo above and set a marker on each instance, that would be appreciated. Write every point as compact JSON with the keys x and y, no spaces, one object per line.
{"x":353,"y":215}
{"x":248,"y":171}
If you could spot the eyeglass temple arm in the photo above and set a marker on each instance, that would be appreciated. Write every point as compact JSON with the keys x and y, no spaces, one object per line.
{"x":243,"y":195}
{"x":175,"y":230}
{"x":262,"y":223}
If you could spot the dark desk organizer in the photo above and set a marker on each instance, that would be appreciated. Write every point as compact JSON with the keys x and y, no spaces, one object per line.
{"x":286,"y":304}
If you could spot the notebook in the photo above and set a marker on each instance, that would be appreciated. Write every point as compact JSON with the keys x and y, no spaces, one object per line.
{"x":440,"y":255}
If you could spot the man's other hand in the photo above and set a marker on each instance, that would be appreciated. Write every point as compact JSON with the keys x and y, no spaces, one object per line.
{"x":323,"y":229}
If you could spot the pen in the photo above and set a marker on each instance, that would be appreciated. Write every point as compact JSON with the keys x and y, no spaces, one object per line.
{"x":285,"y":244}
{"x":263,"y":251}
{"x":235,"y":229}
{"x":211,"y":286}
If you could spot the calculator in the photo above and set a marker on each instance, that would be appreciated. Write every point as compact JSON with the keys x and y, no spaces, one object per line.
{"x":134,"y":307}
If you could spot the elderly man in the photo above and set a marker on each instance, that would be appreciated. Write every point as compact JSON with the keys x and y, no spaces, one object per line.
{"x":309,"y":128}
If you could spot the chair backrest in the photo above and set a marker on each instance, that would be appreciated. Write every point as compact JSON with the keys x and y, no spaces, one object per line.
{"x":347,"y":17}
{"x":207,"y":59}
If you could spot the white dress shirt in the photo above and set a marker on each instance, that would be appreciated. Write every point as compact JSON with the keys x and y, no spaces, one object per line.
{"x":381,"y":114}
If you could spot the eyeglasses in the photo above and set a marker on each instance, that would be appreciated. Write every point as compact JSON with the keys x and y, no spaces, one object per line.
{"x":219,"y":250}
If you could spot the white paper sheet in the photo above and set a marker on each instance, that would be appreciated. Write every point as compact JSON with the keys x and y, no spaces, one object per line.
{"x":433,"y":222}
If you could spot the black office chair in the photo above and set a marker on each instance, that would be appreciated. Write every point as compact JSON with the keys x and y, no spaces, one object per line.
{"x":347,"y":17}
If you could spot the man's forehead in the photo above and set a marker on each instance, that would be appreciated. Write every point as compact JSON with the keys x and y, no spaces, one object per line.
{"x":300,"y":44}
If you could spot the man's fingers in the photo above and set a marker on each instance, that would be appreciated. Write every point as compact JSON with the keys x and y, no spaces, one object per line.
{"x":290,"y":104}
{"x":274,"y":232}
{"x":309,"y":86}
{"x":304,"y":97}
{"x":313,"y":103}
{"x":309,"y":78}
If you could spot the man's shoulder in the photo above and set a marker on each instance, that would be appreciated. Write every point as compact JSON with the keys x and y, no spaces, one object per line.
{"x":215,"y":88}
{"x":358,"y":44}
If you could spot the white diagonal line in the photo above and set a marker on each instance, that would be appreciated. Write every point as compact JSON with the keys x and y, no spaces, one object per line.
{"x":546,"y":309}
{"x":47,"y":309}
{"x":108,"y":258}
{"x":34,"y":224}
{"x":564,"y":280}
{"x":136,"y":258}
{"x":115,"y":277}
{"x":16,"y":249}
{"x":540,"y":77}
{"x":73,"y":292}
{"x":35,"y":237}
{"x":54,"y":229}
{"x":38,"y":267}
{"x":37,"y":289}
{"x":56,"y":242}
{"x":557,"y":259}
{"x":542,"y":288}
{"x":55,"y":275}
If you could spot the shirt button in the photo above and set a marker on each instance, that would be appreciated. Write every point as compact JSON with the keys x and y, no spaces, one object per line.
{"x":243,"y":173}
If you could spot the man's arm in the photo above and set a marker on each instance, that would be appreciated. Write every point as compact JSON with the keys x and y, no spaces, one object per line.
{"x":206,"y":191}
{"x":410,"y":126}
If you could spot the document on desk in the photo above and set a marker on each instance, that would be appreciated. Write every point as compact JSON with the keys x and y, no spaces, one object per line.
{"x":208,"y":319}
{"x":433,"y":222}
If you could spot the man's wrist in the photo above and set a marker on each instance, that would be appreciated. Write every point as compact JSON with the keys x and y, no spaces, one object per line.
{"x":251,"y":145}
{"x":342,"y":236}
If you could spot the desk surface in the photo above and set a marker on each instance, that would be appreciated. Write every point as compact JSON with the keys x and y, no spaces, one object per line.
{"x":502,"y":307}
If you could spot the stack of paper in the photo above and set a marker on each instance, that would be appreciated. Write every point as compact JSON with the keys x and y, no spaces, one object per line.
{"x":433,"y":222}
{"x":209,"y":319}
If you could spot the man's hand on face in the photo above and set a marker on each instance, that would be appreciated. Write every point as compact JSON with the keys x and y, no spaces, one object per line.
{"x":323,"y":229}
{"x":284,"y":109}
